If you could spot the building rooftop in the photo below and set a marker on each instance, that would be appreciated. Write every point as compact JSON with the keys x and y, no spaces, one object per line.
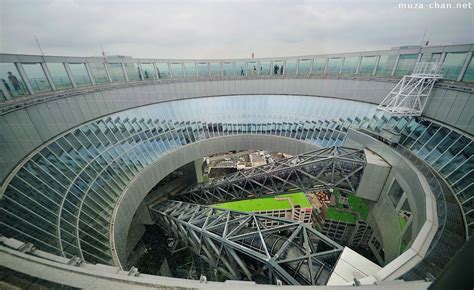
{"x":267,"y":203}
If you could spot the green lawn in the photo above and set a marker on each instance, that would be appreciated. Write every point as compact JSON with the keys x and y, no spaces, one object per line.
{"x":403,"y":246}
{"x":266,"y":203}
{"x":402,"y":221}
{"x":340,"y":216}
{"x":357,"y":204}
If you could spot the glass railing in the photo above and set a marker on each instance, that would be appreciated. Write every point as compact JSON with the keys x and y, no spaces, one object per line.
{"x":450,"y":235}
{"x":28,"y":75}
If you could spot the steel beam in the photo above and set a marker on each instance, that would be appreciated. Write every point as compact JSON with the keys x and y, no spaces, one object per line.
{"x":242,"y":244}
{"x":334,"y":167}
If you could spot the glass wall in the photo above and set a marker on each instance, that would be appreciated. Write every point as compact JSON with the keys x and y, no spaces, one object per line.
{"x":12,"y":80}
{"x":453,"y":64}
{"x":133,"y":72}
{"x":430,"y":57}
{"x":386,"y":64}
{"x":252,"y":69}
{"x":163,"y":70}
{"x":367,"y":65}
{"x":80,"y":75}
{"x":116,"y":72}
{"x":318,"y":66}
{"x":37,"y":78}
{"x":404,"y":215}
{"x":203,"y":69}
{"x":395,"y":193}
{"x":59,"y":75}
{"x":406,"y":63}
{"x":278,"y":67}
{"x":304,"y":67}
{"x":240,"y":69}
{"x":469,"y":74}
{"x":148,"y":71}
{"x":99,"y":73}
{"x":406,"y":239}
{"x":290,"y":67}
{"x":228,"y":69}
{"x":334,"y":66}
{"x":265,"y":68}
{"x":350,"y":65}
{"x":190,"y":69}
{"x":177,"y":70}
{"x":215,"y":68}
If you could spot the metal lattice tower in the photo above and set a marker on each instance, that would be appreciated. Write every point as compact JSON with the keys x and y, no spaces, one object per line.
{"x":410,"y":95}
{"x":246,"y":245}
{"x":333,"y":167}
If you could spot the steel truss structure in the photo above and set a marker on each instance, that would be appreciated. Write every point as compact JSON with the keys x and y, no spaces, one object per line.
{"x":245,"y":246}
{"x":410,"y":95}
{"x":332,"y":167}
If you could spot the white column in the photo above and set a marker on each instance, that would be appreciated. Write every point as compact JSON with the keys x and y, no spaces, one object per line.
{"x":48,"y":76}
{"x":395,"y":66}
{"x":358,"y":65}
{"x":89,"y":73}
{"x":125,"y":72}
{"x":109,"y":76}
{"x":69,"y":74}
{"x":377,"y":60}
{"x":23,"y":75}
{"x":464,"y":67}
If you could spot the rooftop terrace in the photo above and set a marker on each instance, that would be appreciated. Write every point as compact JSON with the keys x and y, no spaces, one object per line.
{"x":267,"y":203}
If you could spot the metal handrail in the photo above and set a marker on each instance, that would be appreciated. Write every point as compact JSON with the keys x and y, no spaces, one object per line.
{"x":10,"y":105}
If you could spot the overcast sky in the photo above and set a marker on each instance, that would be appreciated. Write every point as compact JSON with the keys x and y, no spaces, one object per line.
{"x":224,"y":29}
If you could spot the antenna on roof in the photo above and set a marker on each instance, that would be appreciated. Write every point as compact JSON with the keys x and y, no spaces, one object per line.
{"x":102,"y":49}
{"x":39,"y":46}
{"x":425,"y":40}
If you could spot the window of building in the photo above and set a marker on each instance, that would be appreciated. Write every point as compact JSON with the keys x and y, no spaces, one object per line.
{"x":453,"y":64}
{"x":406,"y":63}
{"x":37,"y":78}
{"x":304,"y":66}
{"x":334,"y":66}
{"x":203,"y":69}
{"x":240,"y":69}
{"x":367,"y":65}
{"x":385,"y":65}
{"x":469,"y":74}
{"x":215,"y":69}
{"x":80,"y":75}
{"x":99,"y":73}
{"x":252,"y":69}
{"x":59,"y":75}
{"x":133,"y":72}
{"x":148,"y":71}
{"x":163,"y":70}
{"x":116,"y":72}
{"x":265,"y":68}
{"x":404,"y":214}
{"x":190,"y":69}
{"x":290,"y":67}
{"x":228,"y":69}
{"x":318,"y":66}
{"x":278,"y":68}
{"x":395,"y":193}
{"x":350,"y":65}
{"x":406,"y":239}
{"x":177,"y":70}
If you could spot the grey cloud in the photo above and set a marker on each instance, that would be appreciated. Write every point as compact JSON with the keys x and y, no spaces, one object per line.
{"x":219,"y":29}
